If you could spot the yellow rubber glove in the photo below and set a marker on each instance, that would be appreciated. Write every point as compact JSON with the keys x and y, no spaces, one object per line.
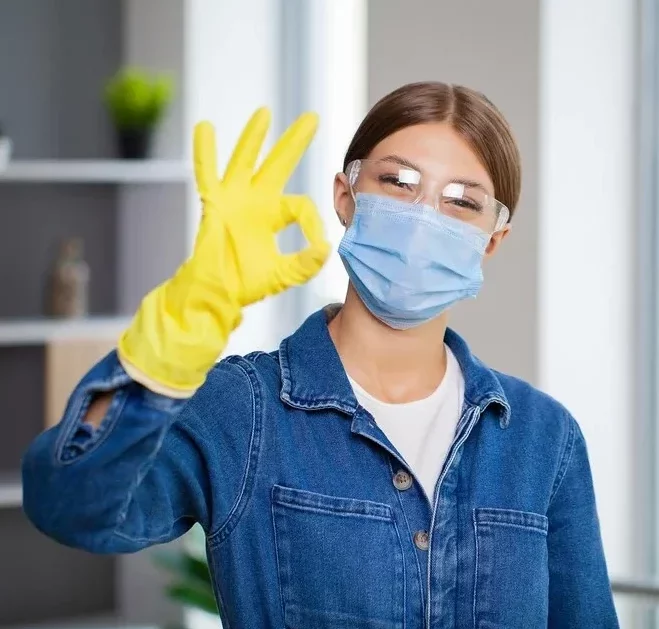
{"x":183,"y":325}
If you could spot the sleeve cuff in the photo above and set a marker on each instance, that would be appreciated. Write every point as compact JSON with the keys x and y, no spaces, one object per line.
{"x":108,"y":375}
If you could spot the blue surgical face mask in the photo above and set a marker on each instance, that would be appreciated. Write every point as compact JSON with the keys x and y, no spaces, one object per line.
{"x":409,"y":263}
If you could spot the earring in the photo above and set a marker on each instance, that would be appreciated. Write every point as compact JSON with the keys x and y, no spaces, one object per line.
{"x":344,"y":222}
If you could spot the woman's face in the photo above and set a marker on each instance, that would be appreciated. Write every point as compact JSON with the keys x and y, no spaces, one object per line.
{"x":438,"y":153}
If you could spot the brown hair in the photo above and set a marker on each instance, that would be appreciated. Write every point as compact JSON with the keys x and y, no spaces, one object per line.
{"x":468,"y":112}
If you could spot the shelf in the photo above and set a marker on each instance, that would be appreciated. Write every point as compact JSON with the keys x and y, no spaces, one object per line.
{"x":11,"y":491}
{"x":93,"y":171}
{"x":39,"y":331}
{"x":91,"y":622}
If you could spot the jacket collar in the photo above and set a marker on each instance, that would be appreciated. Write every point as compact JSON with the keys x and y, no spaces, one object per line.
{"x":313,"y":376}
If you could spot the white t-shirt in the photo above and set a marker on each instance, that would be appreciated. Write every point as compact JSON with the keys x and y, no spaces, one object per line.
{"x":423,"y":430}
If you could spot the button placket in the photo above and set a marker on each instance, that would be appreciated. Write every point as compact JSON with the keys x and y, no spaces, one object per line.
{"x":402,"y":480}
{"x":422,"y":540}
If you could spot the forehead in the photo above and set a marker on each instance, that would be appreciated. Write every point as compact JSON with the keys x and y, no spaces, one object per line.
{"x":437,"y":149}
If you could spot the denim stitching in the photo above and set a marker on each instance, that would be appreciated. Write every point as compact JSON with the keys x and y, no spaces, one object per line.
{"x":494,"y":515}
{"x":304,"y":501}
{"x":274,"y":528}
{"x":404,"y":576}
{"x":477,"y":564}
{"x":285,"y":393}
{"x":340,"y":514}
{"x":253,"y":455}
{"x":216,"y":588}
{"x":527,"y":527}
{"x":565,"y":461}
{"x":409,"y":529}
{"x":483,"y":404}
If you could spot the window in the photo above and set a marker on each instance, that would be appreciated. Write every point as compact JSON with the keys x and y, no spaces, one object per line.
{"x":325,"y":71}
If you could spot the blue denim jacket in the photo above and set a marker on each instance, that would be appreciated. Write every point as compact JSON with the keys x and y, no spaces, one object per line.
{"x":293,"y":483}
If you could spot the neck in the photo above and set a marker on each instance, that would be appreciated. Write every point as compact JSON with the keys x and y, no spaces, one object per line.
{"x":392,"y":365}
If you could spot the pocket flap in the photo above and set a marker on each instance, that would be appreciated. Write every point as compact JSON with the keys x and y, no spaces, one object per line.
{"x":306,"y":500}
{"x":511,"y":517}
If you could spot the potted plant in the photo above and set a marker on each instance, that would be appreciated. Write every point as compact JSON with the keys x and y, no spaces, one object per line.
{"x":137,"y":102}
{"x":191,"y":584}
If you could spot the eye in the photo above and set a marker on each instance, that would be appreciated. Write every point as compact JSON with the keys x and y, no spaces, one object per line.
{"x":393,"y":180}
{"x":464,"y":203}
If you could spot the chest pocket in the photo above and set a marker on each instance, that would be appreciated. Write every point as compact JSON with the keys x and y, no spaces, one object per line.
{"x":512,"y":575}
{"x":340,"y":562}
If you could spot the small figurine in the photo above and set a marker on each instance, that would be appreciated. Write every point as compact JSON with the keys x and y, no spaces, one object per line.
{"x":69,"y":282}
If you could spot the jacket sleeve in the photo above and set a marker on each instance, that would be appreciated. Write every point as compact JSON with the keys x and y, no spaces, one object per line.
{"x":579,"y":587}
{"x":144,"y":476}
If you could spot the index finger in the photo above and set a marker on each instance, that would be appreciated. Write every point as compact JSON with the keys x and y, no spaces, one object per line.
{"x":205,"y":157}
{"x":287,"y":152}
{"x":295,"y":268}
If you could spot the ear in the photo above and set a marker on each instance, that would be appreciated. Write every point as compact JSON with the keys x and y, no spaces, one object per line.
{"x":344,"y":204}
{"x":495,"y":241}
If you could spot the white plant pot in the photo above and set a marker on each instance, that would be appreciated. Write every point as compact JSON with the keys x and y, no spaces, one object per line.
{"x":199,"y":619}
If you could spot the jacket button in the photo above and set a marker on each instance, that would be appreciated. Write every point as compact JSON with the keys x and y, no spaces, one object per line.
{"x":402,"y":480}
{"x":421,"y":540}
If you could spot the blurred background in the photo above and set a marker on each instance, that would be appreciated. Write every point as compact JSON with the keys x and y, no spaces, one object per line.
{"x":98,"y":99}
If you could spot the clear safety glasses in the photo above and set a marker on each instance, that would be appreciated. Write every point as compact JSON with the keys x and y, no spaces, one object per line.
{"x":463,"y":200}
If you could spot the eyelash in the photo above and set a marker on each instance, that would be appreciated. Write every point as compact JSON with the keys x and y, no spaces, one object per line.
{"x":461,"y":203}
{"x":391,"y":179}
{"x":467,"y":203}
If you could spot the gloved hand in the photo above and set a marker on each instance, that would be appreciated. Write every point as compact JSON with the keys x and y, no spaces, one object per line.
{"x":183,"y":325}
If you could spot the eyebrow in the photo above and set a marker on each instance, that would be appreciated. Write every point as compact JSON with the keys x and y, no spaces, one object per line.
{"x":397,"y":159}
{"x":468,"y":183}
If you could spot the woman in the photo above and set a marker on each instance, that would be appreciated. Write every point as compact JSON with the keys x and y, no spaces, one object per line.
{"x":371,"y":472}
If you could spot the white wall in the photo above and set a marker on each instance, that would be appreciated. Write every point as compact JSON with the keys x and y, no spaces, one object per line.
{"x":337,"y":90}
{"x":558,"y":300}
{"x":232,"y":68}
{"x":587,"y":222}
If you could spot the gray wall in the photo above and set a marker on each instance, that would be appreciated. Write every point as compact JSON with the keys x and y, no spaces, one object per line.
{"x":492,"y":47}
{"x":34,"y":219}
{"x":54,"y":58}
{"x":41,"y":581}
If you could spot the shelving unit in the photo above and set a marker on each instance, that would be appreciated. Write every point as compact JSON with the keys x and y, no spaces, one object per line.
{"x":96,"y":171}
{"x":88,"y":622}
{"x":135,"y":219}
{"x":24,"y":332}
{"x":11,"y":492}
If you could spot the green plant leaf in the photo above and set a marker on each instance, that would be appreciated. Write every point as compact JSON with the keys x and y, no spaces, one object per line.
{"x":185,"y":566}
{"x":136,"y":99}
{"x":192,"y":597}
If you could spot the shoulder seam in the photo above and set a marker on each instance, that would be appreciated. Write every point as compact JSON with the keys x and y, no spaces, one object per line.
{"x":565,"y":459}
{"x":223,"y":530}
